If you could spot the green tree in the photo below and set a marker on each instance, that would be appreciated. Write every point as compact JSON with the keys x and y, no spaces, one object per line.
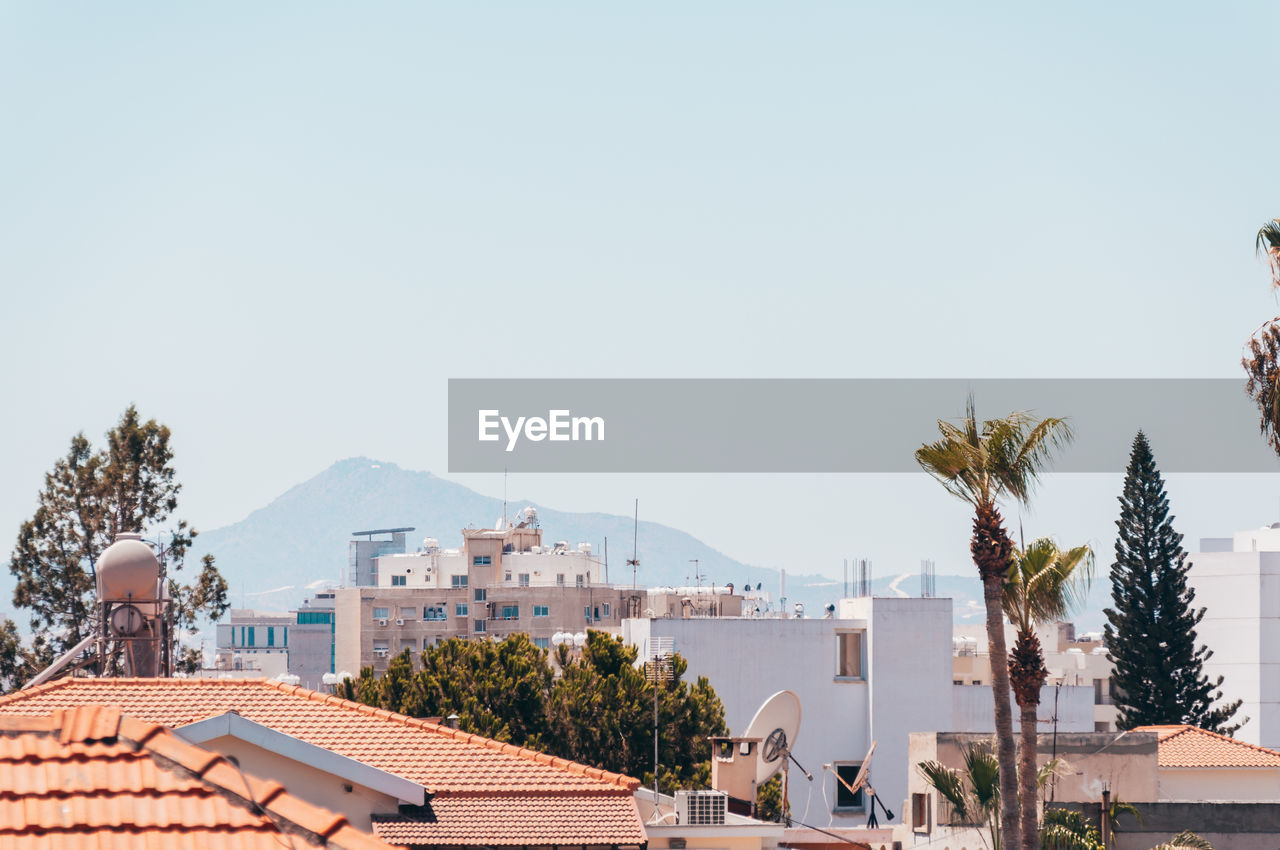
{"x":1067,"y":830}
{"x":973,"y":793}
{"x":982,"y":462}
{"x":1267,"y":244}
{"x":1150,"y":632}
{"x":88,"y":498}
{"x":1044,"y":585}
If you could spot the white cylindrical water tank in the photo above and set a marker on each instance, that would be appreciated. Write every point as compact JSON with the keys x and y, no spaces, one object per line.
{"x":584,"y":548}
{"x":580,"y":639}
{"x":128,"y":569}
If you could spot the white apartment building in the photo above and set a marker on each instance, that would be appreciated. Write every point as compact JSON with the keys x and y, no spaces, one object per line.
{"x":1237,"y":581}
{"x":878,"y":670}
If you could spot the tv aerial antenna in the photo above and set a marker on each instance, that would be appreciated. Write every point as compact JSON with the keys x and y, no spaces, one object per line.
{"x":776,"y":725}
{"x":860,"y":781}
{"x":658,"y":670}
{"x":634,"y":560}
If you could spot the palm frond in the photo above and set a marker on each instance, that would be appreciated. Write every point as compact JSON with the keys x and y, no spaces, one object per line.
{"x":1268,"y":247}
{"x":1185,"y":840}
{"x":1045,"y":583}
{"x":948,"y":784}
{"x":1068,"y":830}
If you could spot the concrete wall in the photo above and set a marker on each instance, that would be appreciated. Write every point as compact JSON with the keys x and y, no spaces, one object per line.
{"x":304,"y":781}
{"x":1227,"y":826}
{"x":1240,"y":592}
{"x":1225,"y":784}
{"x":973,"y":709}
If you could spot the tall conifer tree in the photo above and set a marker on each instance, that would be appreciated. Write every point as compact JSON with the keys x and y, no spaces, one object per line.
{"x":1151,"y":630}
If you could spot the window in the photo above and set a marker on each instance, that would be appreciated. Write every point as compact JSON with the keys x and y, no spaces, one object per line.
{"x":479,"y":625}
{"x":560,"y":579}
{"x":849,"y":655}
{"x":458,"y":581}
{"x":481,"y":594}
{"x":271,"y":636}
{"x":524,"y":579}
{"x":920,"y":812}
{"x":506,"y":576}
{"x":251,"y":642}
{"x":845,"y":800}
{"x":586,"y":613}
{"x":408,"y":613}
{"x":435,"y":612}
{"x":511,"y":612}
{"x":381,"y":613}
{"x":606,"y":611}
{"x":542,"y":643}
{"x":306,"y":618}
{"x":541,"y":611}
{"x":460,"y":610}
{"x":482,"y":561}
{"x":579,"y":580}
{"x":398,"y":581}
{"x":1102,"y":694}
{"x":285,"y":630}
{"x":408,"y":643}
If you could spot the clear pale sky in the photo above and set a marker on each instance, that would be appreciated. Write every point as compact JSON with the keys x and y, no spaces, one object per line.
{"x":281,"y":229}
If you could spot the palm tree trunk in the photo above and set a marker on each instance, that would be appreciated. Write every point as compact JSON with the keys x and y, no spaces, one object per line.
{"x":991,"y":549}
{"x":1028,"y":674}
{"x":1027,"y":777}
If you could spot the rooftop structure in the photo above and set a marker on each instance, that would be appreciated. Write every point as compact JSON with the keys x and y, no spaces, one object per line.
{"x":410,"y":780}
{"x":90,"y":776}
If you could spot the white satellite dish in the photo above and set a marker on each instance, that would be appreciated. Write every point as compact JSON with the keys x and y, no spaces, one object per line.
{"x":861,"y":778}
{"x":776,"y":724}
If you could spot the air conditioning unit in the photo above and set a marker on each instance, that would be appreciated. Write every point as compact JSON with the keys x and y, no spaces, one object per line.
{"x":399,"y":622}
{"x":701,"y":808}
{"x":381,"y":653}
{"x":382,"y":622}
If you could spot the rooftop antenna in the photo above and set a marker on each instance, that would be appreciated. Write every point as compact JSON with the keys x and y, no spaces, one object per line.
{"x":697,"y":576}
{"x":658,"y":670}
{"x":928,"y":581}
{"x":504,"y":497}
{"x":634,"y":560}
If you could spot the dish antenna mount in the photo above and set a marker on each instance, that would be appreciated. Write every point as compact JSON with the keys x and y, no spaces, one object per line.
{"x":860,"y":781}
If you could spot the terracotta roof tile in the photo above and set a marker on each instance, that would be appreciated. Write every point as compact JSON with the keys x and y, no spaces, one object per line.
{"x":505,"y":820}
{"x":1188,"y":746}
{"x":435,"y":756}
{"x":80,"y":778}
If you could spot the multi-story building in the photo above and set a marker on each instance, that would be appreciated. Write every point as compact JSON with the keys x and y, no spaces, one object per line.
{"x":1237,"y":581}
{"x":311,"y":641}
{"x":1079,"y":670}
{"x":254,"y":642}
{"x":501,"y":582}
{"x":362,"y":568}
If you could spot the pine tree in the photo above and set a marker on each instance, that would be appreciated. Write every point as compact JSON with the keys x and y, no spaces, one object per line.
{"x":1151,"y":630}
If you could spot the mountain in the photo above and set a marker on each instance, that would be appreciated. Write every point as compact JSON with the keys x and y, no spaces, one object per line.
{"x":300,"y":539}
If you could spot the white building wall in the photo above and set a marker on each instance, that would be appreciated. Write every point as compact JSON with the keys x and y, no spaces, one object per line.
{"x":1219,"y":785}
{"x":974,"y":711}
{"x":1240,"y":592}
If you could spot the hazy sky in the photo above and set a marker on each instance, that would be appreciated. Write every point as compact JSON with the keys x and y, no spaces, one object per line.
{"x":280,"y":229}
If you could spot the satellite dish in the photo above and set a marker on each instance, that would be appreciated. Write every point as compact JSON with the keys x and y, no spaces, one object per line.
{"x":776,"y":724}
{"x":861,"y":778}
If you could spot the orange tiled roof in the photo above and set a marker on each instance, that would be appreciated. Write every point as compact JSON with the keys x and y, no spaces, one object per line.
{"x":92,"y":777}
{"x":501,"y":820}
{"x":1187,"y":746}
{"x":442,"y":759}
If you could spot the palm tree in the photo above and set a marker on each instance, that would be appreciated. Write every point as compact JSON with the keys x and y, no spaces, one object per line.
{"x":1268,"y":246}
{"x":974,"y":793}
{"x":981,"y":463}
{"x":1044,"y":584}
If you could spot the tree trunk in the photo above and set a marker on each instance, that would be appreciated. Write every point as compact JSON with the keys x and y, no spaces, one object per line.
{"x":992,"y":549}
{"x":1027,"y":777}
{"x":1028,"y":674}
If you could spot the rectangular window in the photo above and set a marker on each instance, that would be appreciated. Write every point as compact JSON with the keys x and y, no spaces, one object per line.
{"x":460,"y":610}
{"x":458,"y":581}
{"x":481,"y":594}
{"x":251,"y":642}
{"x":849,"y":655}
{"x":381,"y":613}
{"x":586,"y":613}
{"x":242,"y":635}
{"x":506,"y":576}
{"x":579,"y":580}
{"x":408,"y":613}
{"x":541,"y":611}
{"x":920,"y":812}
{"x":398,"y":581}
{"x":511,"y":612}
{"x":560,"y":579}
{"x":524,"y":579}
{"x":606,"y":611}
{"x":542,"y":643}
{"x":285,"y":629}
{"x":845,"y":800}
{"x":435,"y":612}
{"x":271,"y":635}
{"x":1102,"y":692}
{"x":482,"y":561}
{"x":409,"y":644}
{"x":479,"y":625}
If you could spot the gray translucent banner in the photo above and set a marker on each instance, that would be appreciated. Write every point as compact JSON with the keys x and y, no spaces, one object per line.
{"x":832,"y":425}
